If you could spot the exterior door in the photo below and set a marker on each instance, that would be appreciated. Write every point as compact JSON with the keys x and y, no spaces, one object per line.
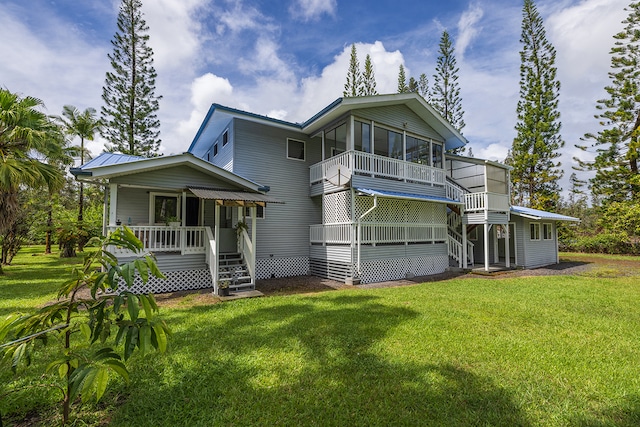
{"x":192,"y":215}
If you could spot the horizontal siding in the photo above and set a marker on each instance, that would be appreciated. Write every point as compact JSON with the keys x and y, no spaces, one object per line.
{"x":133,"y":206}
{"x":395,"y":116}
{"x":372,"y":253}
{"x":339,"y":253}
{"x":539,"y":252}
{"x":260,"y":155}
{"x":224,"y":159}
{"x":492,"y":218}
{"x":177,"y":177}
{"x":359,"y":181}
{"x":176,"y":262}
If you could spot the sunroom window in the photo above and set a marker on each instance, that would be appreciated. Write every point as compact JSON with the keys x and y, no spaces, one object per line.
{"x":387,"y":143}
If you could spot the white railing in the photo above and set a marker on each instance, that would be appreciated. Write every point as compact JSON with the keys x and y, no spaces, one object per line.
{"x":458,"y":238}
{"x":186,"y":240}
{"x":211,"y":257}
{"x":362,"y":163}
{"x":486,"y":201}
{"x":454,"y":192}
{"x":247,"y":253}
{"x":375,"y":233}
{"x":455,"y":249}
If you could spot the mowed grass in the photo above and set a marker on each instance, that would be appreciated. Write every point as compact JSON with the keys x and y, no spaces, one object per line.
{"x":528,"y":351}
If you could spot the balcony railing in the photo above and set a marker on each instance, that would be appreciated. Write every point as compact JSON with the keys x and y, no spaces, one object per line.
{"x":361,"y":163}
{"x":375,"y":233}
{"x":186,"y":240}
{"x":486,"y":201}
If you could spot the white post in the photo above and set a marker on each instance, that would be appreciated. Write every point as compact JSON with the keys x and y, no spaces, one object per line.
{"x":555,"y":225}
{"x":323,"y":155}
{"x":113,"y":204}
{"x":254,"y":214}
{"x":507,"y":250}
{"x":496,"y":252}
{"x":216,"y":238}
{"x":183,"y":223}
{"x":486,"y":247}
{"x":464,"y":244}
{"x":105,"y":211}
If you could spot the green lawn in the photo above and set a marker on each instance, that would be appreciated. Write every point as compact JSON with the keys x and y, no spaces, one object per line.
{"x":537,"y":351}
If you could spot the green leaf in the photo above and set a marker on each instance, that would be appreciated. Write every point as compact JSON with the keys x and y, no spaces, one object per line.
{"x":127,"y":270}
{"x":154,"y":268}
{"x":130,"y":342}
{"x":143,"y":271}
{"x":145,"y":338}
{"x":62,"y":370}
{"x":89,"y":383}
{"x":85,"y":330}
{"x":18,"y":354}
{"x":161,"y":337}
{"x":146,"y":304}
{"x":102,"y":379}
{"x":133,"y":306}
{"x":118,"y":367}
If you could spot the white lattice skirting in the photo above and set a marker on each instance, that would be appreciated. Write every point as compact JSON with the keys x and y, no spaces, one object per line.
{"x":267,"y":268}
{"x":397,"y":268}
{"x":176,"y":281}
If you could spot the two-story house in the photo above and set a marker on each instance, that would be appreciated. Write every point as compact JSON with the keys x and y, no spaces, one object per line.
{"x":364,"y":191}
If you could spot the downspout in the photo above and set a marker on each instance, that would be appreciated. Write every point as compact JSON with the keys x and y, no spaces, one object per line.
{"x":359,"y":234}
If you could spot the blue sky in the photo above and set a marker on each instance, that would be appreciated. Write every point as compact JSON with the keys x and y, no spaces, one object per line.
{"x":288,"y":58}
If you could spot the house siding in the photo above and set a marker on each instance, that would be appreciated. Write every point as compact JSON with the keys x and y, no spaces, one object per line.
{"x":176,"y":178}
{"x":133,"y":206}
{"x":538,"y":253}
{"x":395,"y":116}
{"x":261,"y":155}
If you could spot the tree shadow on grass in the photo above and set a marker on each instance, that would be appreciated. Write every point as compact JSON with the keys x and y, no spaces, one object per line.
{"x":309,"y":362}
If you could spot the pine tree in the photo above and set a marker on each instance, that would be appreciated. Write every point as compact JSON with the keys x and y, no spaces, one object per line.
{"x":413,"y":85}
{"x":130,"y":122}
{"x":368,"y":78}
{"x":402,"y":80}
{"x":445,"y":93}
{"x":618,"y":143}
{"x":423,"y":86}
{"x":354,"y":78}
{"x":534,"y":151}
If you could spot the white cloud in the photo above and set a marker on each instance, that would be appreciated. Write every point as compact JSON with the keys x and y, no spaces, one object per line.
{"x":265,"y":59}
{"x":467,"y":29}
{"x":308,"y":10}
{"x":175,"y":33}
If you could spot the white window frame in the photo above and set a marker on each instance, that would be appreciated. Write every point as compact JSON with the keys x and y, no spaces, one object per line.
{"x":215,"y":149}
{"x":247,"y":212}
{"x":473,"y":234}
{"x":545,"y":226}
{"x":304,"y":150}
{"x":225,"y":137}
{"x":152,"y":205}
{"x":534,"y":231}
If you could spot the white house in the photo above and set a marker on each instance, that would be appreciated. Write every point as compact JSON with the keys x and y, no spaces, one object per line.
{"x":364,"y":191}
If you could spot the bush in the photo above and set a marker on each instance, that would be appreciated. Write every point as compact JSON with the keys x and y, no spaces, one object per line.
{"x":605,"y":243}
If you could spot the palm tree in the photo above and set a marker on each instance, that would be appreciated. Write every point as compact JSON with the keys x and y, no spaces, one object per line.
{"x":84,"y":125}
{"x":27,"y":139}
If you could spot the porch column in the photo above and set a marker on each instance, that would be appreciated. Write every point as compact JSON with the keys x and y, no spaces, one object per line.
{"x":486,"y":247}
{"x":464,"y":244}
{"x":105,"y":211}
{"x":183,"y":223}
{"x":254,"y":214}
{"x":216,"y":239}
{"x":507,"y":254}
{"x":496,"y":249}
{"x":113,"y":204}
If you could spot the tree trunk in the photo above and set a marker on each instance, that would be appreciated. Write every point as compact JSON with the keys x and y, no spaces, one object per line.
{"x":47,"y":240}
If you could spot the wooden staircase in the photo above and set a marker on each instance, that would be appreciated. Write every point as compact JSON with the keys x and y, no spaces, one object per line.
{"x":232,"y":267}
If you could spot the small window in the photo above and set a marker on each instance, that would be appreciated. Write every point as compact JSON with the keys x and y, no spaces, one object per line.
{"x":534,"y":230}
{"x":166,"y":208}
{"x":215,"y":149}
{"x":259,"y":212}
{"x":547,"y":231}
{"x":209,"y":155}
{"x":225,"y":137}
{"x":295,"y":149}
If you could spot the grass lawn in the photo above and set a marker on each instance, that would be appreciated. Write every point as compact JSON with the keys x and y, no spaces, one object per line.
{"x":528,"y":351}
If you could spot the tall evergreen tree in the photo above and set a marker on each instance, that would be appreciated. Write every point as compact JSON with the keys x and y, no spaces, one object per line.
{"x":368,"y":78}
{"x":402,"y":80}
{"x":129,"y":116}
{"x":618,"y":143}
{"x":445,"y":93}
{"x":423,"y":86}
{"x":534,"y":151}
{"x":354,"y":78}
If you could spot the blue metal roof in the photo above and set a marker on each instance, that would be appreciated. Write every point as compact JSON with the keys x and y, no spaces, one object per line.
{"x":407,"y":196}
{"x":538,"y":214}
{"x":107,"y":159}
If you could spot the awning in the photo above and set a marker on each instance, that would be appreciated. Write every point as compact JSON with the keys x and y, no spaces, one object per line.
{"x":536,"y":214}
{"x":235,"y":196}
{"x":407,"y":196}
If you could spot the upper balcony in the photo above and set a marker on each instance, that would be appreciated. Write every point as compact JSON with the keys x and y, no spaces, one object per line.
{"x":365,"y":170}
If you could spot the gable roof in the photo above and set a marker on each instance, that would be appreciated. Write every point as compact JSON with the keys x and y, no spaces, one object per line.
{"x":111,"y":165}
{"x":341,"y":106}
{"x":537,"y":214}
